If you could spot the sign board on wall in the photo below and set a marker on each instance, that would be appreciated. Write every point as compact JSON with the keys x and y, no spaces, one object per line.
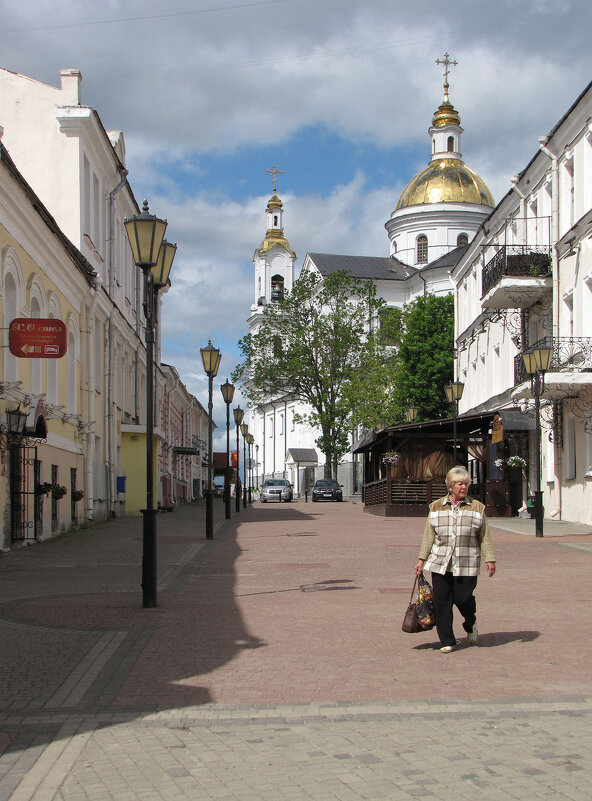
{"x":37,"y":338}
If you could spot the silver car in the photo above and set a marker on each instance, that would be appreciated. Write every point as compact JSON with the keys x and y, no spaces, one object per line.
{"x":276,"y":489}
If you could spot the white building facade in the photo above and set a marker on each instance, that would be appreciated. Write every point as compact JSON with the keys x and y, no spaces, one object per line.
{"x":526,"y":278}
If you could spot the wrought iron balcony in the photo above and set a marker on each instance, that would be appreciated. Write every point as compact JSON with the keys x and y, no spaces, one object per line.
{"x":570,"y":355}
{"x":516,"y":277}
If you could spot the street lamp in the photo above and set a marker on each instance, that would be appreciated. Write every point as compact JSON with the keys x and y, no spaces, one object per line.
{"x":145,"y":233}
{"x":536,"y":361}
{"x":250,"y":441}
{"x":411,"y":414}
{"x":210,"y":357}
{"x":244,"y":431}
{"x":238,"y":419}
{"x":454,"y":392}
{"x":227,"y":390}
{"x":257,"y":466}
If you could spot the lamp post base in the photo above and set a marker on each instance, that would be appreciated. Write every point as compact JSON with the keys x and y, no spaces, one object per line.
{"x":149,"y":558}
{"x":209,"y":515}
{"x":538,"y":513}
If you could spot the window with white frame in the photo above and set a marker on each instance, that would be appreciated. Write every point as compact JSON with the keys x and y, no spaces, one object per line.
{"x":569,"y":447}
{"x":588,"y":471}
{"x":550,"y":458}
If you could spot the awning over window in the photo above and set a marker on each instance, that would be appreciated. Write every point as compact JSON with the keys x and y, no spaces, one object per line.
{"x":303,"y":457}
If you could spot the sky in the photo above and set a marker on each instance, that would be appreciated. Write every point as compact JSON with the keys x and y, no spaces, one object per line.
{"x":339,"y":94}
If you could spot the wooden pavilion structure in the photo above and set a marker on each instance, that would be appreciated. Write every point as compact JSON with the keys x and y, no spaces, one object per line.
{"x":405,"y":486}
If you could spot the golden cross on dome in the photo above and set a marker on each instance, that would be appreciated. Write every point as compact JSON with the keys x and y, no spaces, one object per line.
{"x":275,"y":172}
{"x":447,"y":64}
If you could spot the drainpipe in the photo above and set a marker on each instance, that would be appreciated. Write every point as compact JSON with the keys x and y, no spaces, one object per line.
{"x":90,"y":414}
{"x":514,"y":181}
{"x":543,"y":140}
{"x":111,"y":438}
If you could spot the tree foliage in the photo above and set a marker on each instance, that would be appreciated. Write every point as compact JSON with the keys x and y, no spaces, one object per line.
{"x":314,"y":346}
{"x":426,"y":356}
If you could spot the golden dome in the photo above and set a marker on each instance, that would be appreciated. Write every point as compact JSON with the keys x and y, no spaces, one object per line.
{"x":275,"y":239}
{"x":446,"y":181}
{"x":446,"y":115}
{"x":274,"y":202}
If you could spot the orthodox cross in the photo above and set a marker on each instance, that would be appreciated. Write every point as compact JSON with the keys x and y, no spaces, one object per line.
{"x":447,"y":64}
{"x":275,"y":172}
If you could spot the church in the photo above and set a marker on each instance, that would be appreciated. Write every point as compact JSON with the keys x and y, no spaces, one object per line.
{"x":436,"y":217}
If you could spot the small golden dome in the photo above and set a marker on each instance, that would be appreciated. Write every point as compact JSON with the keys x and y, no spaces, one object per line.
{"x":274,"y":202}
{"x":446,"y":115}
{"x":446,"y":181}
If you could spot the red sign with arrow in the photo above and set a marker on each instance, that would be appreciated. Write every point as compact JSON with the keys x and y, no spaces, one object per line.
{"x":37,"y":338}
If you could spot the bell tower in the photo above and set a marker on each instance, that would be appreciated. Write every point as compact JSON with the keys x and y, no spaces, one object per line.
{"x":274,"y":259}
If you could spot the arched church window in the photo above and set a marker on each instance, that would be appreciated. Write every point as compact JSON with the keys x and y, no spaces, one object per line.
{"x":277,"y":288}
{"x":422,"y":249}
{"x":275,"y":220}
{"x":462,"y":240}
{"x":450,"y":144}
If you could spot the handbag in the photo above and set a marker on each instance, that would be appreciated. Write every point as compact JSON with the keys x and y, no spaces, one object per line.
{"x":420,"y":614}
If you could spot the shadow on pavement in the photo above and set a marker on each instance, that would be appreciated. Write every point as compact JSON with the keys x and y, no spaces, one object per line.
{"x":489,"y":640}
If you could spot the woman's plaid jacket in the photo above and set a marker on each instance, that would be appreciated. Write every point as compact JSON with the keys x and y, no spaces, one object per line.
{"x":455,"y":537}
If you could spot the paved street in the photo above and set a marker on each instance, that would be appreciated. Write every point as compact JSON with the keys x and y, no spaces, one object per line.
{"x":275,"y":666}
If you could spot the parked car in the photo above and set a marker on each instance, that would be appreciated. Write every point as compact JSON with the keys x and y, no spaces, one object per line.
{"x":276,"y":489}
{"x":327,"y":489}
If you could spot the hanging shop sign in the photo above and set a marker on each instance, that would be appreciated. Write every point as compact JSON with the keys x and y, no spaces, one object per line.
{"x":497,"y":430}
{"x":37,"y":338}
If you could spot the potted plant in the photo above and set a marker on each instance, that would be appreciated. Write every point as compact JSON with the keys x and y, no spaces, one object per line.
{"x":44,"y":488}
{"x":58,"y":491}
{"x":391,"y":457}
{"x":77,"y":495}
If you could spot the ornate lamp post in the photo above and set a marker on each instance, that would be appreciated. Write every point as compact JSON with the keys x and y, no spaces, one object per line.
{"x":257,"y":466}
{"x":145,"y":233}
{"x":536,"y":361}
{"x":250,"y":440}
{"x":244,"y":431}
{"x":411,"y":414}
{"x":238,"y":419}
{"x":454,"y":393}
{"x":211,"y":357}
{"x":227,"y":390}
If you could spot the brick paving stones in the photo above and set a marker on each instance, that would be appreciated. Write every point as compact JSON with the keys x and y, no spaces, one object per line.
{"x":274,"y":666}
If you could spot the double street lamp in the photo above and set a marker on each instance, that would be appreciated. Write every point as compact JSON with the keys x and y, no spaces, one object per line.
{"x":238,"y":419}
{"x":211,"y":358}
{"x":154,"y":257}
{"x":244,"y":431}
{"x":227,"y":390}
{"x":536,"y":361}
{"x":454,"y":392}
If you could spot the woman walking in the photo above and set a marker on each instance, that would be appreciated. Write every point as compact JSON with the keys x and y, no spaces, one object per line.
{"x":454,"y":540}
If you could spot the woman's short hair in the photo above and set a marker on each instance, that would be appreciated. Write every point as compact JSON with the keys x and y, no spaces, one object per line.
{"x":457,"y":474}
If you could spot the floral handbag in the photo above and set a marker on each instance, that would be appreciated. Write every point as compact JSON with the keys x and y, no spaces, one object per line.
{"x":420,"y":614}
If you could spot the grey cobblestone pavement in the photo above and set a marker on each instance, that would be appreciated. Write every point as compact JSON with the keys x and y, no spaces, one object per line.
{"x":274,"y":667}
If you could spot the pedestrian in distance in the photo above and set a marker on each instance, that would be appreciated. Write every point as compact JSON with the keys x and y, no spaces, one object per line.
{"x":454,"y":541}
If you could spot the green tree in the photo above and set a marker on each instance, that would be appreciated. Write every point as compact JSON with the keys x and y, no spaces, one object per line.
{"x":313,"y":346}
{"x":426,"y":356}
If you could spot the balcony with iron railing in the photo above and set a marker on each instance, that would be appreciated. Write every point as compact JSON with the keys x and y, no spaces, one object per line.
{"x":517,"y":277}
{"x":570,"y":370}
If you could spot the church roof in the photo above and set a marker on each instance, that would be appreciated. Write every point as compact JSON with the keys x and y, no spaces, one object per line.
{"x":450,"y":259}
{"x":376,"y":267}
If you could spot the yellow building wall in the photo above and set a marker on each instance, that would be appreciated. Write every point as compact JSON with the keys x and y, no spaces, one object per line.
{"x":133,"y":464}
